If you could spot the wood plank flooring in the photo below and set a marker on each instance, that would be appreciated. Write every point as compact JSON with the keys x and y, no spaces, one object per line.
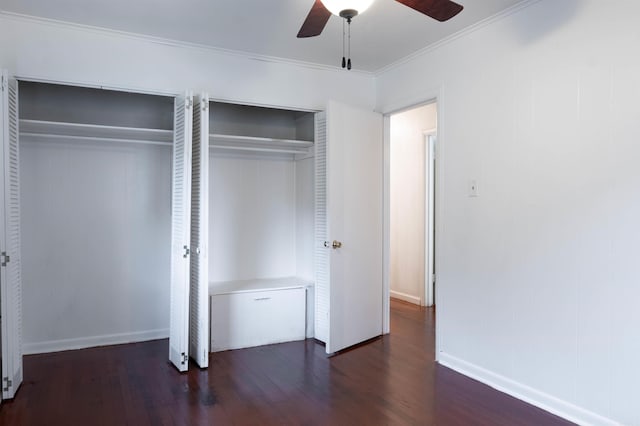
{"x":389,"y":381}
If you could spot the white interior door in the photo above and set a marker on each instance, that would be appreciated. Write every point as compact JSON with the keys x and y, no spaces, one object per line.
{"x":10,"y":275}
{"x":199,"y":304}
{"x":180,"y":233}
{"x":354,"y":206}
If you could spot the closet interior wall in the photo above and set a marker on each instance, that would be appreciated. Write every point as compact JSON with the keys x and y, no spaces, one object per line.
{"x":261,"y":215}
{"x":96,"y":216}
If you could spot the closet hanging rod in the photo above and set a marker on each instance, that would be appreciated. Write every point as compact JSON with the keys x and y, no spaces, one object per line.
{"x":259,"y":149}
{"x":94,"y":132}
{"x":46,"y":128}
{"x":95,"y":139}
{"x":235,"y":139}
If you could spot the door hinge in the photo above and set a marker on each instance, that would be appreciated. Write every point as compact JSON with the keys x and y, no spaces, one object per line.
{"x":188,"y":103}
{"x":205,"y":104}
{"x":433,"y":278}
{"x":8,"y":384}
{"x":185,"y":358}
{"x":5,"y":258}
{"x":4,"y":83}
{"x":186,"y":252}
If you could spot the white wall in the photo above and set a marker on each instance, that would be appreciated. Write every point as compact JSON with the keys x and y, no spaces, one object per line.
{"x":252,"y":220}
{"x":538,"y":277}
{"x":51,"y":51}
{"x":95,"y":243}
{"x":407,"y":197}
{"x":261,"y":221}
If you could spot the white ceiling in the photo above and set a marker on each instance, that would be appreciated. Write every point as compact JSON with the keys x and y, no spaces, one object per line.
{"x":384,"y":34}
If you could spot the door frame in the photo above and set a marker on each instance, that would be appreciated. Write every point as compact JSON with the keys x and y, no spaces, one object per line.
{"x":430,"y":141}
{"x":428,"y":96}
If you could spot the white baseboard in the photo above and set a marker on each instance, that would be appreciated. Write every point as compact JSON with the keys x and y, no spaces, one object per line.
{"x":89,"y":342}
{"x":525,"y":393}
{"x":405,"y":297}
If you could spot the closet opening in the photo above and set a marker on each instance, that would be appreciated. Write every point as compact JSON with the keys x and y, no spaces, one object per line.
{"x":95,"y":195}
{"x":261,"y":218}
{"x":412,"y":251}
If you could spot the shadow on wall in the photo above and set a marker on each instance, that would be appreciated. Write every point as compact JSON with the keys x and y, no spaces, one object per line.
{"x":544,"y":19}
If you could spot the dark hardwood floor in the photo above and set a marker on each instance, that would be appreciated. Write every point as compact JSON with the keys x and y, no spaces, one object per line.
{"x":389,"y":381}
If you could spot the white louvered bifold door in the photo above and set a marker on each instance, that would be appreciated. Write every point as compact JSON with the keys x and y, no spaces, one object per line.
{"x":321,"y":231}
{"x":199,"y":304}
{"x":180,"y":233}
{"x":11,"y":281}
{"x":4,"y":136}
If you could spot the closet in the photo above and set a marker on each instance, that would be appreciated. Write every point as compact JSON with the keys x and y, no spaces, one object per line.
{"x":258,"y":236}
{"x":104,"y":191}
{"x":129,"y":217}
{"x":288,"y":236}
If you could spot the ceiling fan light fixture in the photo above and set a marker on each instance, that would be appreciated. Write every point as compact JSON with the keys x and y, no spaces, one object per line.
{"x":338,"y":6}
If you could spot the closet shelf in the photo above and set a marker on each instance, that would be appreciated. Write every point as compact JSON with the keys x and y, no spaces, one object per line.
{"x":39,"y":129}
{"x":253,"y":143}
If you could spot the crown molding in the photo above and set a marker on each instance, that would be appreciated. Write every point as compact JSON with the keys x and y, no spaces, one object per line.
{"x":175,"y":43}
{"x":272,"y":59}
{"x":450,"y":39}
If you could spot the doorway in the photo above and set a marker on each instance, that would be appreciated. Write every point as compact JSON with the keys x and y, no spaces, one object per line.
{"x":412,"y":142}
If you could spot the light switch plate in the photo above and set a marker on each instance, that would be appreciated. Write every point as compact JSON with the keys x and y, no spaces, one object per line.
{"x":473,"y":188}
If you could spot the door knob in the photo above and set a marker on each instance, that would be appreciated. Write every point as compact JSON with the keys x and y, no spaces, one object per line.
{"x":334,"y":245}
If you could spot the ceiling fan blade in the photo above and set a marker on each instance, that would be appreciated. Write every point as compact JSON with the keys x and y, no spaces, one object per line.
{"x":315,"y":22}
{"x":441,"y":10}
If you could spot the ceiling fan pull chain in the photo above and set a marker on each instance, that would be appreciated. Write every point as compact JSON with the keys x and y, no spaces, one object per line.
{"x":349,"y":45}
{"x":343,"y":60}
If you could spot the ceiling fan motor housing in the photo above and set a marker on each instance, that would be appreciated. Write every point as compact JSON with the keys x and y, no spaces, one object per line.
{"x":348,"y":13}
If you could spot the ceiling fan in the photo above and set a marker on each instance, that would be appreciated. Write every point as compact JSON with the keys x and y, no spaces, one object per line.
{"x":321,"y":11}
